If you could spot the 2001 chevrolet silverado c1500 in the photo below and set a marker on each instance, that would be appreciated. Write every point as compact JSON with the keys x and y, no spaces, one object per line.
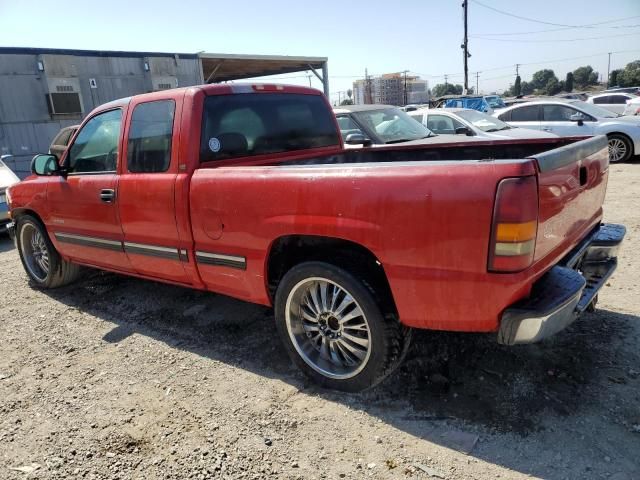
{"x":246,"y":190}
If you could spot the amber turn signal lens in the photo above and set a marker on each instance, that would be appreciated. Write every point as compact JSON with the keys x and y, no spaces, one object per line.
{"x":516,"y":232}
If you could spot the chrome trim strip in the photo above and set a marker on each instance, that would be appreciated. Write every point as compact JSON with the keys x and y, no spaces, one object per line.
{"x":220,"y":259}
{"x":152,"y":250}
{"x":88,"y":241}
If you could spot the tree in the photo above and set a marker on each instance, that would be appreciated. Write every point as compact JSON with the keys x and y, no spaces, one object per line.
{"x":613,"y":77}
{"x":553,"y":86}
{"x":446,"y":89}
{"x":630,"y":76}
{"x":517,"y":87}
{"x":346,"y":101}
{"x":350,"y":94}
{"x":541,"y":78}
{"x":585,"y":76}
{"x":568,"y":82}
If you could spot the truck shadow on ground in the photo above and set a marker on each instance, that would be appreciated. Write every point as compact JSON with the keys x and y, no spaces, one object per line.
{"x":466,"y":381}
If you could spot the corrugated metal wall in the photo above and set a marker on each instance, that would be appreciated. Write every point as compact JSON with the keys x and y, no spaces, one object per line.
{"x":27,"y":127}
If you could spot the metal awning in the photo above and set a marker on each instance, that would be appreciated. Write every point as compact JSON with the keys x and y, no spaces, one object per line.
{"x":220,"y":67}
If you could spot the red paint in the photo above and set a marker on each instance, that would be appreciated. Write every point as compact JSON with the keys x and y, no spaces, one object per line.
{"x":429,"y":224}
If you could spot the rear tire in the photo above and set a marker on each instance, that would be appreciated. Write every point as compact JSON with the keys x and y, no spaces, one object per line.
{"x":620,"y":148}
{"x":334,"y":329}
{"x":40,"y":259}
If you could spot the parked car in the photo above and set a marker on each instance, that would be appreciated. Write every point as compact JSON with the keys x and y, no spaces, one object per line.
{"x":249,"y":192}
{"x":463,"y":121}
{"x":573,"y":117}
{"x":573,"y":96}
{"x":632,"y":107}
{"x":633,"y":90}
{"x":61,"y":141}
{"x":7,"y":178}
{"x":614,"y":102}
{"x":486,"y":104}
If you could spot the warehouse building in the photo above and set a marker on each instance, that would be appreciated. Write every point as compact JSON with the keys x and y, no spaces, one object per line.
{"x":43,"y":90}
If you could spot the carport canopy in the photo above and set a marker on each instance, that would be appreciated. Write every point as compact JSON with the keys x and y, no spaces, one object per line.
{"x":220,"y":67}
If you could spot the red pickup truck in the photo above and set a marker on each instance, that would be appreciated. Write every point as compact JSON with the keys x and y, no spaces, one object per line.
{"x":246,"y":190}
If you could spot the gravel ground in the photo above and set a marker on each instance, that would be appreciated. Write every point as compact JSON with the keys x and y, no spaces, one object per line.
{"x":115,"y":377}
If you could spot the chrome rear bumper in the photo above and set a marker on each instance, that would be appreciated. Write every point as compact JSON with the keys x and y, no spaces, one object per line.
{"x":563,"y":293}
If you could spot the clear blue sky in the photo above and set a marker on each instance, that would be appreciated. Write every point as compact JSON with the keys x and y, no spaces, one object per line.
{"x":422,"y":36}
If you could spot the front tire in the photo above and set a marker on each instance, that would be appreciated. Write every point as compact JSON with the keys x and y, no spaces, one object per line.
{"x":334,"y":330}
{"x":40,"y":259}
{"x":620,"y":148}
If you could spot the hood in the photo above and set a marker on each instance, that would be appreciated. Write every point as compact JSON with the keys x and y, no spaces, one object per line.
{"x":7,"y":177}
{"x":524,"y":133}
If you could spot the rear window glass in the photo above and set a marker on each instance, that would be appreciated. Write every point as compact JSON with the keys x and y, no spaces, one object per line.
{"x":525,"y":114}
{"x":254,"y":124}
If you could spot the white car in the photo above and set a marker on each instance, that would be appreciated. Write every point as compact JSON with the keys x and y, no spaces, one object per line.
{"x":7,"y":178}
{"x":464,"y":121}
{"x":632,"y":107}
{"x":613,"y":101}
{"x":568,"y":118}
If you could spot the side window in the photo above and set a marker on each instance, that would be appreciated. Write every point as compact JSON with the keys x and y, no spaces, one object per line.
{"x":441,"y":124}
{"x":557,"y":113}
{"x":618,"y":99}
{"x":96,"y":146}
{"x":505,"y":117}
{"x":149,"y":144}
{"x":528,"y":113}
{"x":602,"y":100}
{"x":417,"y":117}
{"x":62,"y":138}
{"x":348,"y":126}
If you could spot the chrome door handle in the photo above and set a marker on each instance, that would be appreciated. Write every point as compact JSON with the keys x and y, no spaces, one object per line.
{"x":546,"y":129}
{"x":107,"y":195}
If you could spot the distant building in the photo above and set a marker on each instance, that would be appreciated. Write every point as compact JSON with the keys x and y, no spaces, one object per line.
{"x":390,"y":89}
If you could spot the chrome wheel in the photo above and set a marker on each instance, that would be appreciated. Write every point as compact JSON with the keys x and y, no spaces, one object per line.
{"x":328,"y":328}
{"x":618,"y":150}
{"x":34,"y":251}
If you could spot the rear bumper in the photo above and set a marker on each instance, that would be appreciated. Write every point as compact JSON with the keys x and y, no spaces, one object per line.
{"x":563,"y":293}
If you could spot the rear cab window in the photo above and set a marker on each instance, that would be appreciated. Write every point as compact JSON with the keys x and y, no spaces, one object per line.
{"x":249,"y":124}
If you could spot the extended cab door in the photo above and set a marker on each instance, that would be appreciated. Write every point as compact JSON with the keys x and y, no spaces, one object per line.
{"x":83,"y":214}
{"x":147,"y":199}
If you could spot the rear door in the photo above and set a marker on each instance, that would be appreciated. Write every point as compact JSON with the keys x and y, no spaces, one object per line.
{"x":147,"y":199}
{"x":525,"y":116}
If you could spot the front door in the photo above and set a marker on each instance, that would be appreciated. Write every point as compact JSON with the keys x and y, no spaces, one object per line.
{"x":147,"y":197}
{"x":83,"y":215}
{"x":557,"y":119}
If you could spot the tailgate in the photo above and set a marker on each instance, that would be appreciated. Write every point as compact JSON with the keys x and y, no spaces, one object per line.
{"x":572,"y":185}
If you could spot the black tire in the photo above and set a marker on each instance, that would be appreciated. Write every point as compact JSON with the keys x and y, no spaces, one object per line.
{"x":389,"y":339}
{"x":60,"y":272}
{"x":615,"y":139}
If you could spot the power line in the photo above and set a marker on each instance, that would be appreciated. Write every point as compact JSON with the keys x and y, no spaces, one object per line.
{"x":553,"y":41}
{"x":555,"y":30}
{"x":502,"y":12}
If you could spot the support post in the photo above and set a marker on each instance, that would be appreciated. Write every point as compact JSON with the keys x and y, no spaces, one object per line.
{"x":325,"y":78}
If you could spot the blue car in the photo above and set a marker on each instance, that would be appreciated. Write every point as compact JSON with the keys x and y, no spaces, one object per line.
{"x":486,"y":104}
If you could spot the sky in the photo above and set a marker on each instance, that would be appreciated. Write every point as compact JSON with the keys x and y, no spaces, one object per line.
{"x":422,"y":36}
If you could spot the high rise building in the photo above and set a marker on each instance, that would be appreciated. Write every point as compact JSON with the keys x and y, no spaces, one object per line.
{"x":391,"y":89}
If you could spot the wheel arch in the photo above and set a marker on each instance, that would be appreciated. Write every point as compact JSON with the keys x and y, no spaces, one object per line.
{"x":628,"y":138}
{"x":288,"y":251}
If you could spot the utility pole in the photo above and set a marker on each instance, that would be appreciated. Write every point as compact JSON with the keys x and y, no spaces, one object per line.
{"x":404,"y":97}
{"x":517,"y":69}
{"x":477,"y":77}
{"x":445,"y":79}
{"x":465,"y":47}
{"x":367,"y":98}
{"x":608,"y":69}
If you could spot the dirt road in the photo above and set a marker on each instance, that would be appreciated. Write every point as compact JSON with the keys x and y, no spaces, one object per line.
{"x":115,"y":377}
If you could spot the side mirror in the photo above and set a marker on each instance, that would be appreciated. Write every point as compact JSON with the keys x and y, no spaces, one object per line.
{"x":577,"y":117}
{"x":357,"y":139}
{"x":45,"y":164}
{"x":464,"y":131}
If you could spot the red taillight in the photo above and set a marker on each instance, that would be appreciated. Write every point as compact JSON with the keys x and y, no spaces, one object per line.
{"x":515,"y":225}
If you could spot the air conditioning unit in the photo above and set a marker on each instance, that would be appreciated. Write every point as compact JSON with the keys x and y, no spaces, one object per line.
{"x":64,"y":96}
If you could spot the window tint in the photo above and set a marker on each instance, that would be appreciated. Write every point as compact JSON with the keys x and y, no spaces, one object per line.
{"x":96,"y":147}
{"x":442,"y":124}
{"x":254,"y":124}
{"x":618,"y":99}
{"x":348,"y":126}
{"x":149,"y":145}
{"x":528,"y":113}
{"x":602,"y":100}
{"x":505,"y":117}
{"x":557,"y":113}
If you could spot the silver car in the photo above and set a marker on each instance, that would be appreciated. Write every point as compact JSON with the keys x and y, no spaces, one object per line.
{"x":464,"y":121}
{"x":7,"y":178}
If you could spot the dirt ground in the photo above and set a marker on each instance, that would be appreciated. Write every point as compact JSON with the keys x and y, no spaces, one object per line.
{"x":115,"y":377}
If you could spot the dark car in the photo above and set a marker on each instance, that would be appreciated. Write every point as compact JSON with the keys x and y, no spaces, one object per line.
{"x":62,"y":139}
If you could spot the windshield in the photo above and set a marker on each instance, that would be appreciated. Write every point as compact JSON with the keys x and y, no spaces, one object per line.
{"x":482,"y":121}
{"x":392,"y":125}
{"x":495,"y":102}
{"x":594,"y":110}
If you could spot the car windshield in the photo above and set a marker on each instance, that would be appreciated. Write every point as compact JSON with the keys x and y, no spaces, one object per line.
{"x":495,"y":101}
{"x":482,"y":121}
{"x":392,"y":125}
{"x":594,"y":110}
